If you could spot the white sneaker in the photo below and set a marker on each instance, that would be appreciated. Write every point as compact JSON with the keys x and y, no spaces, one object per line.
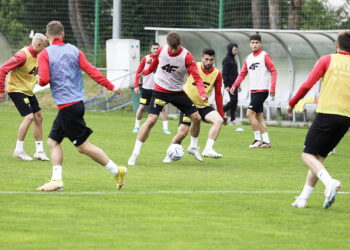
{"x":255,"y":144}
{"x":22,"y":155}
{"x":195,"y":153}
{"x":167,"y":159}
{"x":41,"y":155}
{"x":299,"y":202}
{"x":132,"y":159}
{"x":330,"y":193}
{"x":211,"y":153}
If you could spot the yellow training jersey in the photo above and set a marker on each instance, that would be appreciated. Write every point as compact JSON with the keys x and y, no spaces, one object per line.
{"x":23,"y":79}
{"x":209,"y":83}
{"x":335,"y":89}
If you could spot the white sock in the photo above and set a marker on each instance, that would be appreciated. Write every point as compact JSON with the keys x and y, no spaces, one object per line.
{"x":307,"y":190}
{"x":39,"y":146}
{"x":19,"y":145}
{"x":265,"y":137}
{"x":137,"y":147}
{"x":112,"y":167}
{"x":257,"y":135}
{"x":165,"y":124}
{"x":137,"y":123}
{"x":209,"y":145}
{"x":324,"y":176}
{"x":194,"y":142}
{"x":56,"y":173}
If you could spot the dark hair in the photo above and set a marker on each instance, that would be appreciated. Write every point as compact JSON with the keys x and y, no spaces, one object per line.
{"x":173,"y":39}
{"x":344,"y":41}
{"x":54,"y":28}
{"x":208,"y":51}
{"x":256,"y":36}
{"x":154,"y":44}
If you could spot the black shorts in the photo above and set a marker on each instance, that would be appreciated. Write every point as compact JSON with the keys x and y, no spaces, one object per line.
{"x":178,"y":99}
{"x":25,"y":104}
{"x":257,"y":101}
{"x":202,"y":112}
{"x":146,"y":96}
{"x":325,"y":133}
{"x":70,"y":123}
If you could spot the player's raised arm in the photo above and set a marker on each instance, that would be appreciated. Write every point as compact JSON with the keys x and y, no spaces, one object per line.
{"x":192,"y":69}
{"x":93,"y":72}
{"x":154,"y":64}
{"x":316,"y":74}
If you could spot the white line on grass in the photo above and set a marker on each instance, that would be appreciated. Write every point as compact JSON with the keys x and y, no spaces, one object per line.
{"x":164,"y":192}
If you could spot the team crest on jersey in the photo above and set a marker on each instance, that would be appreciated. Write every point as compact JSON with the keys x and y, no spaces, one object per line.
{"x":159,"y":102}
{"x":169,"y":68}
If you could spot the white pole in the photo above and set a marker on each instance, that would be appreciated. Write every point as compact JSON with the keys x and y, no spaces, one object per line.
{"x":117,"y":19}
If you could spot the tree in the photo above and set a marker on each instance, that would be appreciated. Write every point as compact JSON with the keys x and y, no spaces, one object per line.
{"x":275,"y":14}
{"x":294,"y":14}
{"x":77,"y":23}
{"x":260,"y":14}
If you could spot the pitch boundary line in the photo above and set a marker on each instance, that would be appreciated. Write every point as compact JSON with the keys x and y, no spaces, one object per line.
{"x":159,"y":192}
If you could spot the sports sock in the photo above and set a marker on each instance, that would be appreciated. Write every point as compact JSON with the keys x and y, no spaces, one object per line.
{"x":137,"y":123}
{"x":19,"y":145}
{"x":307,"y":190}
{"x":112,"y":167}
{"x":137,"y":147}
{"x":257,"y":135}
{"x":194,"y":142}
{"x":165,"y":124}
{"x":324,"y":176}
{"x":209,"y":145}
{"x":265,"y":137}
{"x":56,"y":173}
{"x":39,"y":146}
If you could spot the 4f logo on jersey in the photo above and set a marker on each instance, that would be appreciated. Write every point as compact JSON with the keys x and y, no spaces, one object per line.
{"x":169,"y":68}
{"x":254,"y":66}
{"x":34,"y":71}
{"x":206,"y":84}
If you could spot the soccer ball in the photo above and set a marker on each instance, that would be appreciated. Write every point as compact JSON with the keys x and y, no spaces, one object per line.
{"x":175,"y":152}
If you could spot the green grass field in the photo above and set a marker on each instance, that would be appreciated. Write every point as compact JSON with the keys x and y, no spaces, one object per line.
{"x":241,"y":201}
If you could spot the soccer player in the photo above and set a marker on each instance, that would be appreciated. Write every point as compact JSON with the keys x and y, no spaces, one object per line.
{"x":332,"y":120}
{"x":212,"y":79}
{"x":147,"y":90}
{"x":258,"y":65}
{"x":23,"y":68}
{"x":173,"y":62}
{"x":60,"y":65}
{"x":229,"y":75}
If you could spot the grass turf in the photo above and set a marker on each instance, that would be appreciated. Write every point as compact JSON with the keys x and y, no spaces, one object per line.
{"x":241,"y":201}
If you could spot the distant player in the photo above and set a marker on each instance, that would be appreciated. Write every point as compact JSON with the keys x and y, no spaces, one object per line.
{"x":147,"y":90}
{"x":60,"y":65}
{"x":173,"y":62}
{"x":332,"y":120}
{"x":212,"y":79}
{"x":259,"y":66}
{"x":23,"y":68}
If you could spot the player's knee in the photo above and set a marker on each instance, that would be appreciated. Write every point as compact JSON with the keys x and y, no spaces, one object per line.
{"x":51,"y":143}
{"x":250,"y":114}
{"x":29,"y":117}
{"x":219,"y":121}
{"x":38,"y":117}
{"x":151,"y":120}
{"x":196,"y":117}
